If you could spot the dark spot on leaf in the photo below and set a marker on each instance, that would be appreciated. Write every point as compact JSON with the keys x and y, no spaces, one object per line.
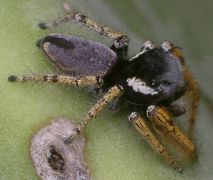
{"x":55,"y":159}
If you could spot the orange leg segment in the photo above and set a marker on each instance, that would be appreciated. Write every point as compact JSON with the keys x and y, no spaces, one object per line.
{"x":161,"y":119}
{"x":144,"y":130}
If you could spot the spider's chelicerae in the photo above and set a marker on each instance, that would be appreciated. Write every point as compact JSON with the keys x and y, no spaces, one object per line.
{"x":152,"y":79}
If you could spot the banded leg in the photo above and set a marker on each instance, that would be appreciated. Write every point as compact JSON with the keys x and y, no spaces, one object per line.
{"x":114,"y":92}
{"x":60,"y":79}
{"x":161,"y":119}
{"x":140,"y":125}
{"x":120,"y":44}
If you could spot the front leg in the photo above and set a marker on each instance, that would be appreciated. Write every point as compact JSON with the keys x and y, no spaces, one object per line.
{"x":139,"y":124}
{"x":161,"y":119}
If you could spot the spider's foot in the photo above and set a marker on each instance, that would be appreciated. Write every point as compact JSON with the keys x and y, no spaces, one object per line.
{"x":12,"y":78}
{"x":43,"y":25}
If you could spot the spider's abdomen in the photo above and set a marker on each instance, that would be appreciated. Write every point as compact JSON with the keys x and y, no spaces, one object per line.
{"x":78,"y":56}
{"x":155,"y":77}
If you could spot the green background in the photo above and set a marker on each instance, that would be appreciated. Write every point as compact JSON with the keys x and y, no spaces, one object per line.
{"x":113,"y":150}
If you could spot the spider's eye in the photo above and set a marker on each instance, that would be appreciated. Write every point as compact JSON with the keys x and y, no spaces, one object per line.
{"x":155,"y":84}
{"x":167,"y":46}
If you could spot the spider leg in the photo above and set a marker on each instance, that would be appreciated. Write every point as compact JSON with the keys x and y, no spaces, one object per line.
{"x":60,"y":79}
{"x":120,"y":44}
{"x":139,"y":124}
{"x":114,"y":92}
{"x":195,"y":93}
{"x":161,"y":119}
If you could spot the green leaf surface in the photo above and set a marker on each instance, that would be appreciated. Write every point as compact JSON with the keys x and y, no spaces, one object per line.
{"x":113,"y":150}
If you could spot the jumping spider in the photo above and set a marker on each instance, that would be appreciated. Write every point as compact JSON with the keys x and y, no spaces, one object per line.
{"x":152,"y":79}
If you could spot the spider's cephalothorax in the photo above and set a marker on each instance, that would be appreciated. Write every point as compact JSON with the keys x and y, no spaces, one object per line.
{"x":153,"y":79}
{"x":154,"y":76}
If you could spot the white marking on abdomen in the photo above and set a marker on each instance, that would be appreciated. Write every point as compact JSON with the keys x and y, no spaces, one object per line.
{"x":140,"y":86}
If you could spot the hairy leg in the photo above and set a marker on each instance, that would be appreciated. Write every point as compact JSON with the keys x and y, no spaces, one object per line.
{"x":113,"y":93}
{"x":60,"y":79}
{"x":161,"y":119}
{"x":140,"y":125}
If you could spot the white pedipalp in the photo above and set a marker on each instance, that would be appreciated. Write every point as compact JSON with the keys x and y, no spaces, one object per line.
{"x":140,"y":86}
